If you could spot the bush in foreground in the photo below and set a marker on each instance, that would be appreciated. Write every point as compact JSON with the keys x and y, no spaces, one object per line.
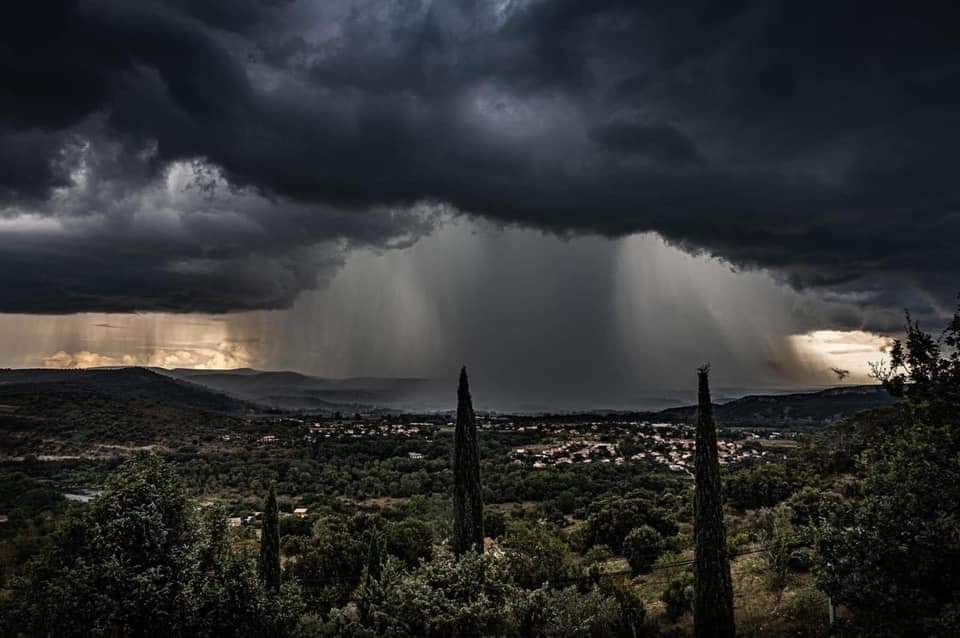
{"x":141,"y":560}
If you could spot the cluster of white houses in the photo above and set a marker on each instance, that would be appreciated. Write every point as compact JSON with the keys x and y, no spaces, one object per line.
{"x":575,"y":451}
{"x":366,"y":429}
{"x":253,"y":519}
{"x":676,"y":453}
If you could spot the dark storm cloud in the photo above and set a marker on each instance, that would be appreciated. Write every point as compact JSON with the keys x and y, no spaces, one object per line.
{"x":816,"y":139}
{"x":660,"y":142}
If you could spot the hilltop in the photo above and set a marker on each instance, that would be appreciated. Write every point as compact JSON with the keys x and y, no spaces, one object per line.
{"x":68,"y":411}
{"x":122,"y":384}
{"x":794,"y":410}
{"x":296,"y":391}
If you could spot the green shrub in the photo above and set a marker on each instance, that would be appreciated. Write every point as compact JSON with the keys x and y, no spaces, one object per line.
{"x":678,"y":597}
{"x":802,"y":559}
{"x":808,"y":609}
{"x":642,"y":546}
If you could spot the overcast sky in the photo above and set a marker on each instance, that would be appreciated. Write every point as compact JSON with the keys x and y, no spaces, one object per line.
{"x":577,"y":199}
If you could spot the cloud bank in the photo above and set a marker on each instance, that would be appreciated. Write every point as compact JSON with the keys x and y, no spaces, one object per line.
{"x":208,"y":156}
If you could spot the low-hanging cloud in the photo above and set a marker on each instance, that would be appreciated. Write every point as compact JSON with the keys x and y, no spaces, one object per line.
{"x":119,"y":239}
{"x":816,"y":141}
{"x":220,"y":356}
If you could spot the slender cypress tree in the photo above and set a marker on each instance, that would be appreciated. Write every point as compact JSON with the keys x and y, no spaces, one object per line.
{"x":269,"y":563}
{"x":370,"y":587}
{"x":713,"y":597}
{"x":374,"y":557}
{"x":467,"y":499}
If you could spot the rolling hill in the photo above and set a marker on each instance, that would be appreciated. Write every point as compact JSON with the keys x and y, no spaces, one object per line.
{"x":295,"y":391}
{"x":245,"y":391}
{"x":121,"y":384}
{"x":797,"y":410}
{"x":75,"y":411}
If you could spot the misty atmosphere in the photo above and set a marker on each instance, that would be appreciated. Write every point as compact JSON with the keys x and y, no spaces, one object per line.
{"x":519,"y":318}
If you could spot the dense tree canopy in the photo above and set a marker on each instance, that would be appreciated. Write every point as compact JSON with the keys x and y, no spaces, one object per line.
{"x":140,"y":561}
{"x":893,"y":554}
{"x":642,"y":546}
{"x":762,"y":485}
{"x":611,"y":519}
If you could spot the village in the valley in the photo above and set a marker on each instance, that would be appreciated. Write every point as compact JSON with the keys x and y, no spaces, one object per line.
{"x":538,"y":443}
{"x":665,"y":444}
{"x":551,"y":441}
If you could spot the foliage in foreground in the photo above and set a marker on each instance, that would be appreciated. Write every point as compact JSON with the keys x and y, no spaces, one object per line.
{"x":892,"y":556}
{"x":476,"y":595}
{"x":142,"y":561}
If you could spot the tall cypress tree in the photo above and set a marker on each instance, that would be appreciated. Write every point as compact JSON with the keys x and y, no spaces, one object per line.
{"x":370,"y":587}
{"x":713,"y":597}
{"x":269,"y":563}
{"x":467,"y":499}
{"x":374,"y":556}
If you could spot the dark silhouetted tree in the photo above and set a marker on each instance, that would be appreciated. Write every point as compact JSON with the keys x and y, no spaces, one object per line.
{"x":891,"y":556}
{"x":642,"y":546}
{"x":925,"y":370}
{"x":374,"y":557}
{"x":140,"y":560}
{"x":269,"y":564}
{"x":628,"y":447}
{"x":467,"y":501}
{"x":713,"y":592}
{"x":410,"y":540}
{"x":370,"y":588}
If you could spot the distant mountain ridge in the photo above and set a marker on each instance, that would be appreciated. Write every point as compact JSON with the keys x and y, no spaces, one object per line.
{"x":244,"y":391}
{"x":296,"y":391}
{"x":124,"y":384}
{"x":812,"y":408}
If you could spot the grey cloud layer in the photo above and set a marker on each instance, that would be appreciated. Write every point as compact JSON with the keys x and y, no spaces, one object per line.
{"x":814,"y":139}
